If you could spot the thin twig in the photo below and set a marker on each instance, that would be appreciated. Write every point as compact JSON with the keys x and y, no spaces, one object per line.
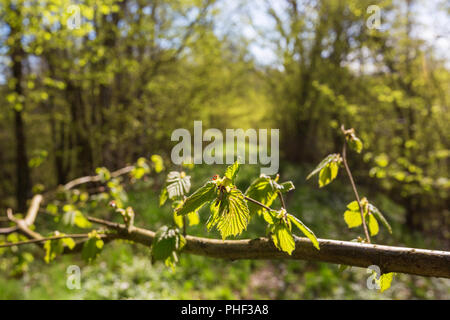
{"x":18,"y":243}
{"x":258,"y":203}
{"x":355,"y":191}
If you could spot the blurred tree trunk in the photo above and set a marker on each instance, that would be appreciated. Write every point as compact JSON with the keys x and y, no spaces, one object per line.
{"x":23,"y":188}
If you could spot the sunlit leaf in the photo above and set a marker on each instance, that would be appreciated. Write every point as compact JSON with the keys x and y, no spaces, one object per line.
{"x":92,"y":247}
{"x":233,"y":215}
{"x":232,"y":171}
{"x":203,"y":195}
{"x":328,"y":174}
{"x":373,"y":225}
{"x":379,"y":215}
{"x":385,"y":281}
{"x":178,"y":184}
{"x":263,"y":190}
{"x":352,"y":218}
{"x":306,"y":231}
{"x":282,"y":238}
{"x":324,"y":163}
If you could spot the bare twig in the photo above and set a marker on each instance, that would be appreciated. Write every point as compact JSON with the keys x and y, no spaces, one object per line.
{"x":355,"y":191}
{"x":19,"y":243}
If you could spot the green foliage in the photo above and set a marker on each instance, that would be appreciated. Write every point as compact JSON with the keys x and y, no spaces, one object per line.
{"x":282,"y":237}
{"x":328,"y":169}
{"x":158,"y":163}
{"x":306,"y":231}
{"x":74,"y":217}
{"x":280,"y":227}
{"x":265,"y":190}
{"x":167,"y":244}
{"x":200,"y":197}
{"x":140,"y":169}
{"x":262,"y":189}
{"x":56,"y":247}
{"x":352,"y":216}
{"x":232,"y":214}
{"x":92,"y":247}
{"x":375,"y":212}
{"x":232,"y":171}
{"x":178,"y":184}
{"x":385,"y":281}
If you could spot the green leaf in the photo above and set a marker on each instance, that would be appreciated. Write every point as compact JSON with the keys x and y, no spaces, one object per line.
{"x":386,"y":281}
{"x":194,"y":202}
{"x":324,"y":163}
{"x":353,"y":206}
{"x":232,"y":171}
{"x":168,"y":241}
{"x":285,"y":187}
{"x":177,"y":184}
{"x":214,"y":216}
{"x":282,"y":238}
{"x":233,"y":214}
{"x":158,"y":163}
{"x":163,"y":197}
{"x":165,"y":243}
{"x":373,"y":225}
{"x":192,"y":218}
{"x":269,"y":217}
{"x":355,"y":143}
{"x":80,"y":221}
{"x":262,"y":189}
{"x":52,"y":249}
{"x":306,"y":231}
{"x":68,"y":242}
{"x":352,"y":218}
{"x":380,"y":217}
{"x":92,"y":248}
{"x":328,"y":174}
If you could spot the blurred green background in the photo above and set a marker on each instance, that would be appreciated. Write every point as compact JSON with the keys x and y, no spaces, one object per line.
{"x":87,"y":84}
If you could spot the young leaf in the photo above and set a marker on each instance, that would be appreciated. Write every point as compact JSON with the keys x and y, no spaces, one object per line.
{"x":80,"y":221}
{"x":158,"y":163}
{"x":355,"y":143}
{"x":306,"y":231}
{"x":178,"y":184}
{"x":193,"y":219}
{"x":353,"y":206}
{"x":214,"y":217}
{"x":52,"y":248}
{"x":232,"y":171}
{"x":377,"y":213}
{"x":352,"y":218}
{"x":282,"y":238}
{"x":233,"y":215}
{"x":386,"y":281}
{"x":68,"y":242}
{"x":163,"y":197}
{"x":92,"y":247}
{"x":263,"y":190}
{"x":328,"y":174}
{"x":269,"y":217}
{"x":165,"y":243}
{"x":324,"y":163}
{"x":373,"y":225}
{"x":168,"y":242}
{"x":200,"y":197}
{"x":285,"y":186}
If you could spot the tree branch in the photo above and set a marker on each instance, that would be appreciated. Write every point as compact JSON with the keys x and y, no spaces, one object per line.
{"x":429,"y":263}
